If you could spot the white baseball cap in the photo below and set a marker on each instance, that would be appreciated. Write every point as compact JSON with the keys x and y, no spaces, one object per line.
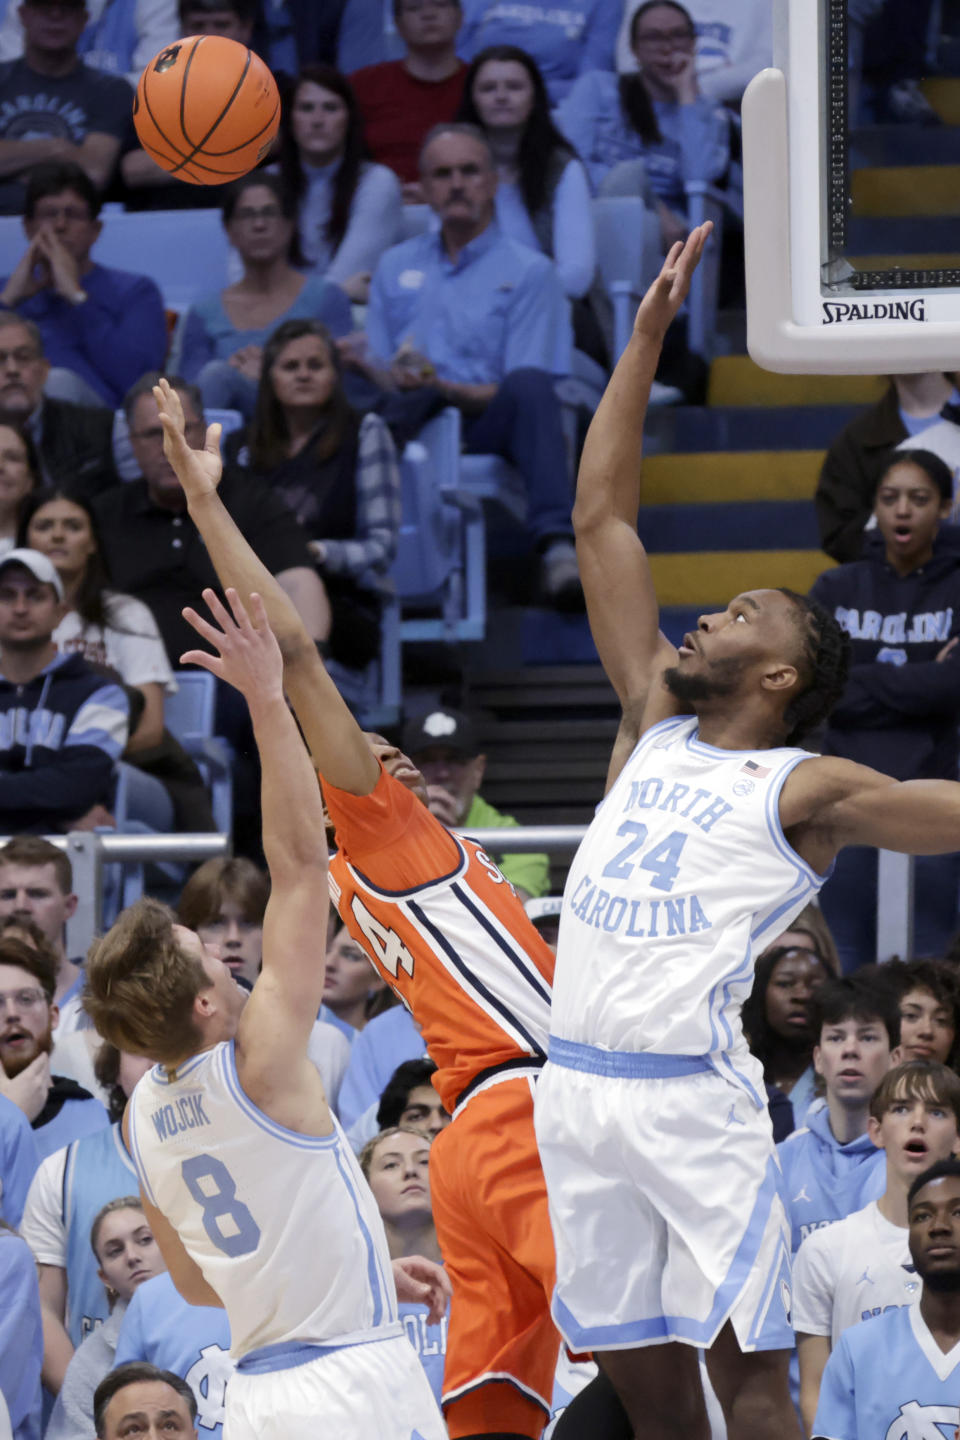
{"x":41,"y":567}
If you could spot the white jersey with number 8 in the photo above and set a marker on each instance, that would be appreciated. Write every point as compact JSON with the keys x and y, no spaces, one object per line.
{"x":282,"y":1225}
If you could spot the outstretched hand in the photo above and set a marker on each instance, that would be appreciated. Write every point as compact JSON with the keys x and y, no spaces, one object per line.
{"x":422,"y":1282}
{"x":247,"y":654}
{"x":659,"y":306}
{"x":198,"y":471}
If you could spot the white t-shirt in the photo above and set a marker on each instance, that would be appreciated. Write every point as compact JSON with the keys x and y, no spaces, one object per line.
{"x":329,"y":1052}
{"x":852,"y":1271}
{"x":734,"y":42}
{"x":131,"y":643}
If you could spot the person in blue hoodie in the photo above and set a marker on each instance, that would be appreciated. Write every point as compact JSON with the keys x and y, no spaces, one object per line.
{"x":62,"y":725}
{"x":831,"y":1167}
{"x":900,"y":605}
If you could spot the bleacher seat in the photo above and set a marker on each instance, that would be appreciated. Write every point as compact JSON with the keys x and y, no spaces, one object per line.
{"x":190,"y":715}
{"x":184,"y":251}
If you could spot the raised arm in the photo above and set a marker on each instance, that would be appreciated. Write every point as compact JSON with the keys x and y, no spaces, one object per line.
{"x":334,"y":738}
{"x":271,"y":1045}
{"x":614,"y":567}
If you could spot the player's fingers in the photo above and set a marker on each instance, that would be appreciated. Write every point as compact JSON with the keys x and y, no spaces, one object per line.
{"x":203,"y":627}
{"x":218,"y":610}
{"x":212,"y":443}
{"x":258,"y":612}
{"x":239,"y":609}
{"x":204,"y":660}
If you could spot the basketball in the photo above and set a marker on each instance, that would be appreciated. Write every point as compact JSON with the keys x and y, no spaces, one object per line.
{"x":206,"y":109}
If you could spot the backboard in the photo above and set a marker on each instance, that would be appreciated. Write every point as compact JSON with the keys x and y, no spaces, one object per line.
{"x":852,"y":226}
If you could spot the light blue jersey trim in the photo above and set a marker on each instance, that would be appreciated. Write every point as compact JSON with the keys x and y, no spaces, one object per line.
{"x":231,"y":1079}
{"x":159,"y":1074}
{"x":375,"y":1276}
{"x":658,"y":1329}
{"x":775,"y":828}
{"x":624,"y":1064}
{"x":290,"y":1353}
{"x":718,"y":1017}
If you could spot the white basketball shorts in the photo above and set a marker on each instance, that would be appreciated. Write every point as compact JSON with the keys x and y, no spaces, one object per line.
{"x":358,"y":1392}
{"x":665,"y":1206}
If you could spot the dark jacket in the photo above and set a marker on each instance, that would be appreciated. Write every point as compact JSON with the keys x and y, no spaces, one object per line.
{"x":850,"y":475}
{"x":76,"y":447}
{"x":60,"y":735}
{"x":901,"y":706}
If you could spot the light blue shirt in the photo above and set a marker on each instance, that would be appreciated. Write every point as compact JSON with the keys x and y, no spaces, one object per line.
{"x":191,"y":1340}
{"x":74,"y":1120}
{"x":429,"y":1341}
{"x":21,"y":1337}
{"x":19,"y":1158}
{"x":375,"y":222}
{"x":206,"y":331}
{"x":383,"y":1044}
{"x":573,"y":236}
{"x":889,"y":1380}
{"x":824,"y":1181}
{"x":367,"y":35}
{"x":498,"y":307}
{"x":97,"y":1170}
{"x":695,"y":143}
{"x":566,"y":37}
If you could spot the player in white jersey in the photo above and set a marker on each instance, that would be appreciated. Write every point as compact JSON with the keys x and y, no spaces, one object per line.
{"x":898,"y":1378}
{"x":860,"y":1267}
{"x":250,"y":1187}
{"x":714,"y":833}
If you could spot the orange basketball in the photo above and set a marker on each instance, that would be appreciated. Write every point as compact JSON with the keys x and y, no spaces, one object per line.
{"x":206,"y":109}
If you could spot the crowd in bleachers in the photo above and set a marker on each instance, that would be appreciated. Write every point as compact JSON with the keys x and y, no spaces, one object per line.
{"x":427,"y":237}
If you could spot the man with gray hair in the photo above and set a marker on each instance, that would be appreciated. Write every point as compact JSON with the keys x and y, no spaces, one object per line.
{"x":483,"y":320}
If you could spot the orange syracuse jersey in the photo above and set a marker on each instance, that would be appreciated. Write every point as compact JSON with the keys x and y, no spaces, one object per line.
{"x":447,"y":933}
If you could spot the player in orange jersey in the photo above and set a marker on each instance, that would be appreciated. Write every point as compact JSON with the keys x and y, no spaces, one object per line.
{"x":449,"y":935}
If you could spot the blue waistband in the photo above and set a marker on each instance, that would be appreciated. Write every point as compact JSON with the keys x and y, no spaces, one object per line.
{"x":291,"y":1353}
{"x":624,"y":1064}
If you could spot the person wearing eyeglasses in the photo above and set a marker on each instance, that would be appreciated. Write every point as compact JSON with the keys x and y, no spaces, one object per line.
{"x":59,"y":1109}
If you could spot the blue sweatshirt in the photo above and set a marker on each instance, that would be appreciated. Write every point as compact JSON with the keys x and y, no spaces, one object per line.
{"x":60,"y":735}
{"x":824,"y":1181}
{"x":900,"y":709}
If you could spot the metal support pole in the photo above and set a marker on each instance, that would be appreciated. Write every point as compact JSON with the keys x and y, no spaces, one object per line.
{"x":894,"y":905}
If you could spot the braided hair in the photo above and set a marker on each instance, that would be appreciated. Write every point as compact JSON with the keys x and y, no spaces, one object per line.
{"x":826,"y":657}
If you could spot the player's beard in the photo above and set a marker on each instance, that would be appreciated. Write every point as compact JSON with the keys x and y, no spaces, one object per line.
{"x":41,"y":1046}
{"x":942,"y":1282}
{"x":716,"y":680}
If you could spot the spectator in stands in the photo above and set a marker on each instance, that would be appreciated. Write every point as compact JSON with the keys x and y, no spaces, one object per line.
{"x":58,"y":1109}
{"x":338,"y":473}
{"x":564,"y":41}
{"x":73,"y":442}
{"x":856,"y":1269}
{"x":21,"y":1339}
{"x":928,"y":993}
{"x":409,"y":1100}
{"x":349,"y":211}
{"x":55,"y":106}
{"x":151,"y":548}
{"x":545,"y":914}
{"x":233,"y":19}
{"x":36,"y":885}
{"x":193,"y":1341}
{"x":484,"y":321}
{"x":658,"y":116}
{"x":220,"y":340}
{"x":401,"y":100}
{"x":832,"y":1166}
{"x":386,"y":1043}
{"x":396,"y":1164}
{"x":353,"y":992}
{"x":443,"y":746}
{"x":898,"y":1376}
{"x":71,"y":1185}
{"x":225,"y":902}
{"x":19,"y":1159}
{"x":100,"y":328}
{"x":900,"y":708}
{"x":734,"y":42}
{"x":846,"y":490}
{"x":127,"y":1255}
{"x":143,"y":1395}
{"x":119,"y":38}
{"x":777,"y":1015}
{"x":19,"y":474}
{"x":543,"y":196}
{"x":65,"y":728}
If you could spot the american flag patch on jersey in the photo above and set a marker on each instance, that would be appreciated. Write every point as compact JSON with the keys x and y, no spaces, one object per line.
{"x":758,"y":772}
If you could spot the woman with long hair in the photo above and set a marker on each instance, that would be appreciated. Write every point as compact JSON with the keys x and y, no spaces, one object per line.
{"x":657,"y":116}
{"x":776,"y":1015}
{"x":543,"y":196}
{"x":19,"y":474}
{"x":337,"y":472}
{"x":348,"y":210}
{"x":219,"y":341}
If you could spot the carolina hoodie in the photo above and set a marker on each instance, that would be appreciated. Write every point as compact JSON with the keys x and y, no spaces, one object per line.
{"x":900,"y":709}
{"x":60,"y":736}
{"x":824,"y":1181}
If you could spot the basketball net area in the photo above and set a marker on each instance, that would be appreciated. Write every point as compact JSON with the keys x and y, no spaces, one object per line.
{"x":813,"y":305}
